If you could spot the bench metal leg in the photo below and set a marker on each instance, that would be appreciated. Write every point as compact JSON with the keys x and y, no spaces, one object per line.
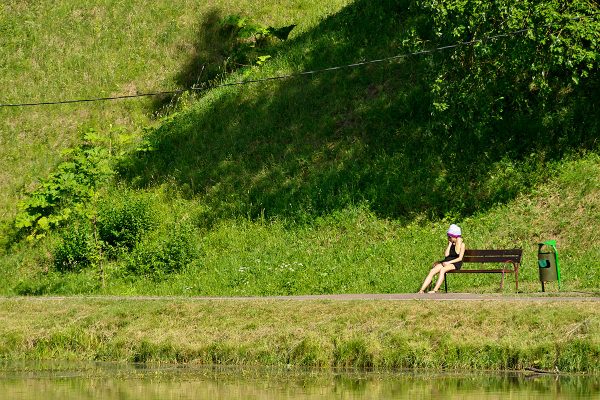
{"x":446,"y":283}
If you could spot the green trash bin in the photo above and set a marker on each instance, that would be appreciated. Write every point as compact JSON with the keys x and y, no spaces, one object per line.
{"x":548,"y":263}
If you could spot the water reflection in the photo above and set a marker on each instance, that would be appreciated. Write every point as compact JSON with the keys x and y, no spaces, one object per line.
{"x":123,"y":382}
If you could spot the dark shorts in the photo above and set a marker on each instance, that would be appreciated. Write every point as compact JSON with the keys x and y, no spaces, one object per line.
{"x":457,"y":265}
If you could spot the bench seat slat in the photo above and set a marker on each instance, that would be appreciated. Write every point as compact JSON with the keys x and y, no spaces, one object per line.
{"x":481,"y":271}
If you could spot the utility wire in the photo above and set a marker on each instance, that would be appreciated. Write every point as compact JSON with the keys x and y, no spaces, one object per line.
{"x":127,"y":96}
{"x":271,"y":78}
{"x":280,"y":77}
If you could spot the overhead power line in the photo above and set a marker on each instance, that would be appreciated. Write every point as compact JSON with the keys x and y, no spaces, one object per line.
{"x":93,"y":99}
{"x":279,"y":77}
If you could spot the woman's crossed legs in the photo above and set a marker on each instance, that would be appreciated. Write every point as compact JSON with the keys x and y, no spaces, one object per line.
{"x":438,"y":268}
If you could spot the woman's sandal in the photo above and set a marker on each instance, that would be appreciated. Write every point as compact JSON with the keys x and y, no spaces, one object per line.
{"x":432,"y":291}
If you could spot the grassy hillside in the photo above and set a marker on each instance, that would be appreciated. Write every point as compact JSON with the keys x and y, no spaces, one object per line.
{"x":349,"y":251}
{"x":313,"y":145}
{"x":70,"y":50}
{"x":338,"y":182}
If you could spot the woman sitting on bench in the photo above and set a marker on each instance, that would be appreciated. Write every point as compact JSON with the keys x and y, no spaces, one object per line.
{"x":453,"y":259}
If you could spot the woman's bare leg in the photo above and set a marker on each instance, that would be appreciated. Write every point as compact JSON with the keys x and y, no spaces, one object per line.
{"x":434,"y":270}
{"x":445,"y":268}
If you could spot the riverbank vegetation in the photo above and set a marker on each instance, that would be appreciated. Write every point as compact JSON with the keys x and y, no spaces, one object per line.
{"x":338,"y":182}
{"x":378,"y":335}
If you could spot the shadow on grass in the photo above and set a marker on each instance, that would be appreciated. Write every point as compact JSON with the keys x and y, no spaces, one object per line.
{"x":207,"y":58}
{"x":306,"y":146}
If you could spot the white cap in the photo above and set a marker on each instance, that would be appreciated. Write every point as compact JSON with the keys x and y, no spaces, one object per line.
{"x":454,"y":231}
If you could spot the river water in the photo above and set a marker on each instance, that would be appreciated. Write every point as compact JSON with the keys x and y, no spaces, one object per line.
{"x":110,"y":381}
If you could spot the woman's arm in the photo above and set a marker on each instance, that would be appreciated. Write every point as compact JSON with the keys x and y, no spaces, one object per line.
{"x":447,"y":252}
{"x":461,"y":251}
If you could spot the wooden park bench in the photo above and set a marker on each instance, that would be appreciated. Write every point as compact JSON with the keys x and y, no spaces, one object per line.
{"x":510,"y":260}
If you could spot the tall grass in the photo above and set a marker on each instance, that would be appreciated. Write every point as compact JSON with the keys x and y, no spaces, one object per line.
{"x":380,"y":335}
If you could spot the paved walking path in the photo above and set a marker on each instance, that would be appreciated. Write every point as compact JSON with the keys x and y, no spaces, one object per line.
{"x":538,"y":297}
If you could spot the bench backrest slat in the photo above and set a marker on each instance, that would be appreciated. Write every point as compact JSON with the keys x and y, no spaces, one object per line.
{"x":496,"y":256}
{"x":513,"y":252}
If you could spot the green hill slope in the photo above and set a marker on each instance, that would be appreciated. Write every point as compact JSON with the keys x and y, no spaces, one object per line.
{"x":317,"y":144}
{"x":344,"y":181}
{"x":70,"y":50}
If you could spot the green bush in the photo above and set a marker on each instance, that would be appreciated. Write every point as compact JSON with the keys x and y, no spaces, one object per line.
{"x":76,"y":251}
{"x":248,"y":40}
{"x":123,"y":220}
{"x":163,"y":253}
{"x":68,"y":191}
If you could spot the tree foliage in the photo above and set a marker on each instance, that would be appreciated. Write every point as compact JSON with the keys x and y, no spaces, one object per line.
{"x":539,"y":52}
